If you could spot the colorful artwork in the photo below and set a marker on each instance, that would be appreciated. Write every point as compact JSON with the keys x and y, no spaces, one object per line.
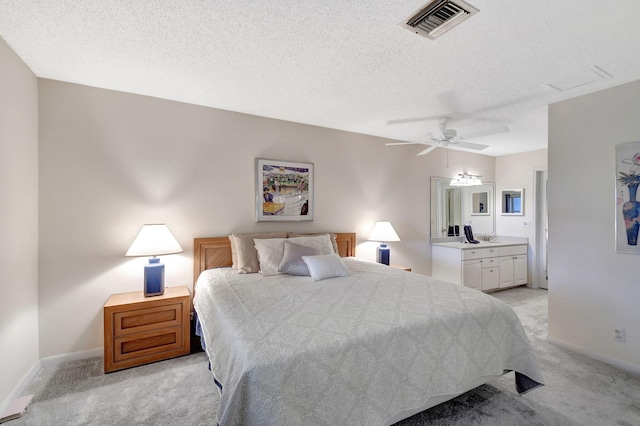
{"x":284,"y":190}
{"x":627,"y":208}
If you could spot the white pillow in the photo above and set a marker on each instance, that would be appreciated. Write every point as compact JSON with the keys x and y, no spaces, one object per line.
{"x":322,"y":243}
{"x":292,"y":262}
{"x":246,"y":260}
{"x":333,"y":238}
{"x":270,"y":252}
{"x":325,"y":266}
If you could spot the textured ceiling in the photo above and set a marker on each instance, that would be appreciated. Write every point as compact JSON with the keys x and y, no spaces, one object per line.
{"x":340,"y":64}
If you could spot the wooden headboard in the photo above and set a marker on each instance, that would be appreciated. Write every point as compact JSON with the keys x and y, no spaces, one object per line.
{"x":216,"y":252}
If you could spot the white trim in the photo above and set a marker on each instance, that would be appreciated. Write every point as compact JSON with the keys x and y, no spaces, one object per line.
{"x":535,"y":228}
{"x":21,"y":386}
{"x":52,"y":361}
{"x":633,"y":368}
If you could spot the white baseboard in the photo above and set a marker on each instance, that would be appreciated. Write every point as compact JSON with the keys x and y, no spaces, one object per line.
{"x":600,"y":357}
{"x":52,"y":361}
{"x":21,"y":386}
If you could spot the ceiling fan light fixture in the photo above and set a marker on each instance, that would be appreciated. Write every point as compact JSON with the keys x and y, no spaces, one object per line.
{"x":465,"y":179}
{"x":444,"y":137}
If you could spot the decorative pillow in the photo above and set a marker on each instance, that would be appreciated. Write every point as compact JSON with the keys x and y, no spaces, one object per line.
{"x":234,"y":252}
{"x":292,"y":262}
{"x":320,"y":242}
{"x":270,"y":253}
{"x":246,"y":254}
{"x":325,"y":266}
{"x":333,"y":238}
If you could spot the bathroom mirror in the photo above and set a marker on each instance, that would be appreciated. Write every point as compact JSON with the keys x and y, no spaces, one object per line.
{"x":452,"y":207}
{"x":513,"y":202}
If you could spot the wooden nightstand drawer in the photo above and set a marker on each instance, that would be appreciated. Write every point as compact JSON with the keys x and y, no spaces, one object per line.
{"x":147,"y":319}
{"x":142,"y":345}
{"x":139,"y":330}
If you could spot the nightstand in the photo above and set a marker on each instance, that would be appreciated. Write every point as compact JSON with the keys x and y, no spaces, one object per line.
{"x":139,"y":330}
{"x":404,"y":268}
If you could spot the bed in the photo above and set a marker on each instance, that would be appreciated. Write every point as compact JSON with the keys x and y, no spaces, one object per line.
{"x":370,"y":348}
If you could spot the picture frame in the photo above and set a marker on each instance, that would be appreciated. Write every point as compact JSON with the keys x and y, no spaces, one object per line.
{"x":627,"y":208}
{"x":284,"y":190}
{"x":512,"y":202}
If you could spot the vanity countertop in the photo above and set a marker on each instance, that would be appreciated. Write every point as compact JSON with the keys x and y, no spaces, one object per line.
{"x":481,"y":244}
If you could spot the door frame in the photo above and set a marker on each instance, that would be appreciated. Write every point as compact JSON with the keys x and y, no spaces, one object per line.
{"x":540,"y":209}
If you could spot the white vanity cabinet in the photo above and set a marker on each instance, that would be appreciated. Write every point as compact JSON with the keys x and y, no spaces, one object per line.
{"x":472,"y":273}
{"x":513,"y":266}
{"x":485,"y":267}
{"x":490,"y":269}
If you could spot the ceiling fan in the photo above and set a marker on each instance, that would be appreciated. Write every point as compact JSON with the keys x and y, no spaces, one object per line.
{"x":443,"y":137}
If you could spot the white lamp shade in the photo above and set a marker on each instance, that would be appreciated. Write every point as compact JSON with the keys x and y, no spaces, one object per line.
{"x":154,"y":240}
{"x":383,"y":232}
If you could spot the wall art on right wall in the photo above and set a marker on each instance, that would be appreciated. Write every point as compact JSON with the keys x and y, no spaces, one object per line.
{"x":627,"y":206}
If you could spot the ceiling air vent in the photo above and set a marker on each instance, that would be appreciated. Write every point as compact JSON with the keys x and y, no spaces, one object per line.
{"x":438,"y":17}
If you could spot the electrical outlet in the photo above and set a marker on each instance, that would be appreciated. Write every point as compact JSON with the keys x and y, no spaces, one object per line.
{"x":618,"y":335}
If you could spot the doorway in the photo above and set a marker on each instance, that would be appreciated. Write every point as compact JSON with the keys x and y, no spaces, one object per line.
{"x":541,"y":278}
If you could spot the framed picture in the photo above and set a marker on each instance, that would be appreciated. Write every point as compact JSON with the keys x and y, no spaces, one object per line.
{"x":284,"y":190}
{"x":627,"y":208}
{"x":513,"y":202}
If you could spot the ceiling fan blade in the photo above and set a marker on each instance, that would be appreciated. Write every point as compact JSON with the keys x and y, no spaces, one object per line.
{"x":437,"y":134}
{"x":485,"y":132}
{"x":469,"y":145}
{"x":428,"y":150}
{"x":411,"y":120}
{"x":404,"y":143}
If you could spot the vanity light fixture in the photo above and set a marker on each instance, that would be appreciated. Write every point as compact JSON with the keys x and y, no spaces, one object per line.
{"x":383,"y":232}
{"x":154,"y":240}
{"x":465,"y":179}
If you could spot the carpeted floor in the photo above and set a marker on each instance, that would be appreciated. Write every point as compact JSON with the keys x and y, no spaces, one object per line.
{"x":578,"y":391}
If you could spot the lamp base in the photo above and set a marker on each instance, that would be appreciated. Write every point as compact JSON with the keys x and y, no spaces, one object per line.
{"x":384,"y":253}
{"x":153,"y":278}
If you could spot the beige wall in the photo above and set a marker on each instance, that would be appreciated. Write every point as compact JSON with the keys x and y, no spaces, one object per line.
{"x":592,"y":289}
{"x":111,"y":161}
{"x":518,"y":171}
{"x":18,"y":223}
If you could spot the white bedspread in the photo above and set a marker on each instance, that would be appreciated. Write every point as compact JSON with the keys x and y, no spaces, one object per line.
{"x":354,"y":350}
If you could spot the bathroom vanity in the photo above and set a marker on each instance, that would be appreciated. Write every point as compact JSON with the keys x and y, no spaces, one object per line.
{"x":487,"y":266}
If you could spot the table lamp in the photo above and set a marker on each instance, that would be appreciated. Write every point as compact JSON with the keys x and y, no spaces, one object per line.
{"x":383,"y":232}
{"x":154,"y":240}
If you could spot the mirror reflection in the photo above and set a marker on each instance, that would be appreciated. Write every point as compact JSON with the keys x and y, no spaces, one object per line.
{"x":479,"y":203}
{"x":454,"y":207}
